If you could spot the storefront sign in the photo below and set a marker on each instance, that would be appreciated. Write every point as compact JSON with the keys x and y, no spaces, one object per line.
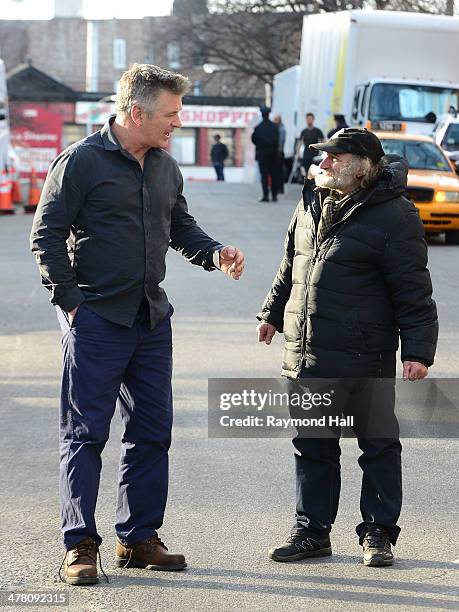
{"x":36,"y":135}
{"x":96,"y":113}
{"x":93,"y":113}
{"x":218,"y":116}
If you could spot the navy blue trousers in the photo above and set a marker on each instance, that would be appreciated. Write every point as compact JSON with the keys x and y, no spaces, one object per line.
{"x":104,"y":363}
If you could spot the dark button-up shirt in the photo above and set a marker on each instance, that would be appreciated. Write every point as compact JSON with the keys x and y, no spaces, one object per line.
{"x":120,"y":220}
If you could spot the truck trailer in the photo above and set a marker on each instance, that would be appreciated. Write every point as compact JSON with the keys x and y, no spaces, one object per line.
{"x":380,"y":69}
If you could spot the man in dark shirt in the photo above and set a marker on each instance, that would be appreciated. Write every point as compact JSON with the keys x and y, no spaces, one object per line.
{"x":218,"y":154}
{"x":310,"y":135}
{"x":118,"y":195}
{"x":265,"y":137}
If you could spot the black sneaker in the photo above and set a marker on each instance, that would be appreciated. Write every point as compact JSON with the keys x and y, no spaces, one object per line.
{"x":300,"y":545}
{"x":376,"y":548}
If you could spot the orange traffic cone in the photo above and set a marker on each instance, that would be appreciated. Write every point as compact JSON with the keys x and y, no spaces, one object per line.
{"x":6,"y":201}
{"x":34,"y":193}
{"x":16,"y":191}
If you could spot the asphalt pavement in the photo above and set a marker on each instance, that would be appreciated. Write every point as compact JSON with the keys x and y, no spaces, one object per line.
{"x":230,"y":499}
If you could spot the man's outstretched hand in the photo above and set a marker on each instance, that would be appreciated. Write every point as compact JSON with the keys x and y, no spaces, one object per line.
{"x":232,"y":262}
{"x":266,"y":332}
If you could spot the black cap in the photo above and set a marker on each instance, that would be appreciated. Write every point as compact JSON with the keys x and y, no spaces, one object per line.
{"x":353,"y":140}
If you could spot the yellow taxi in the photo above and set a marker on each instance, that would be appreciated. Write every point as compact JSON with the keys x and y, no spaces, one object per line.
{"x":433,"y":185}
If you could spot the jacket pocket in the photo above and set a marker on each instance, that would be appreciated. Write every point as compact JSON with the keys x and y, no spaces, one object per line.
{"x":377,"y":336}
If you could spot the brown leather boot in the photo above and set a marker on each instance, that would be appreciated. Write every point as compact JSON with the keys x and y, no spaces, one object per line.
{"x":80,"y":563}
{"x":150,"y":554}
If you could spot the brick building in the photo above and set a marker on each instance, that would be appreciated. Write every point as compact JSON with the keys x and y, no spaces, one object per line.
{"x":91,"y":55}
{"x":67,"y":66}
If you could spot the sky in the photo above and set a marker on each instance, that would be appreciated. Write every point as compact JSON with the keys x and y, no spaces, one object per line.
{"x":44,"y":9}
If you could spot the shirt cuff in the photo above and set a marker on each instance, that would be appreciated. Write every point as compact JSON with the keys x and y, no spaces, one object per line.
{"x":70,"y":298}
{"x":418,"y":360}
{"x":216,"y":258}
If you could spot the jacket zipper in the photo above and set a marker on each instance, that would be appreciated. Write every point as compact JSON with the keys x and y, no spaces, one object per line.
{"x":311,"y":266}
{"x":306,"y":287}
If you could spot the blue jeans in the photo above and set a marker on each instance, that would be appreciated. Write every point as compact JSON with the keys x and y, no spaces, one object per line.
{"x":105,"y":362}
{"x":219,"y":170}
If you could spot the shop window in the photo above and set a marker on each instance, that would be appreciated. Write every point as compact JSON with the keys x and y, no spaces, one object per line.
{"x":227,"y":137}
{"x":183,"y":146}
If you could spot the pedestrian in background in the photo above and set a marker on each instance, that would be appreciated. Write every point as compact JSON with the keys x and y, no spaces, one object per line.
{"x":282,"y":137}
{"x":218,"y":154}
{"x":310,"y":135}
{"x":265,"y":137}
{"x":118,"y":194}
{"x":353,"y":280}
{"x":340,"y":123}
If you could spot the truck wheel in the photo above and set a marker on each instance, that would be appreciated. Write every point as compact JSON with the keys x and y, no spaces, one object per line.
{"x":452,"y":237}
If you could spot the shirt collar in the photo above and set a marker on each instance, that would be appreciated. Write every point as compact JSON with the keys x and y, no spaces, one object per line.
{"x":111,"y":142}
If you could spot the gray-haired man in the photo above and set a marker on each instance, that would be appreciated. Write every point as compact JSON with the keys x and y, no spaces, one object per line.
{"x":353,"y":280}
{"x":119,"y":195}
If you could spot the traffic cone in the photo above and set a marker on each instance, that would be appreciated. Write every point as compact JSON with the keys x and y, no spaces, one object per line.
{"x":16,"y":191}
{"x":6,"y":201}
{"x":34,"y":193}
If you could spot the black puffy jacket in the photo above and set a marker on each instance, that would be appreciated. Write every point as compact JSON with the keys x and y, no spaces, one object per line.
{"x":348,"y":299}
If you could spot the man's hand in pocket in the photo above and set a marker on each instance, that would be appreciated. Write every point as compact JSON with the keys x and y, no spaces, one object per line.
{"x":72,"y":314}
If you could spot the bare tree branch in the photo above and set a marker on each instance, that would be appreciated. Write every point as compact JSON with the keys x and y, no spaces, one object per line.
{"x":259,"y":38}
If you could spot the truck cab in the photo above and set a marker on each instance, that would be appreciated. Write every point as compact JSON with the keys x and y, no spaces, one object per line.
{"x":399,"y":104}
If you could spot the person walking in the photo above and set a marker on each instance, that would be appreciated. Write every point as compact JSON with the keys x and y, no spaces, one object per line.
{"x":218,"y":154}
{"x":265,"y":137}
{"x":118,"y":195}
{"x":353,"y":280}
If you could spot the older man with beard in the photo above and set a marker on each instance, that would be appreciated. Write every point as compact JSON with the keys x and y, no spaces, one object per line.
{"x":353,"y":280}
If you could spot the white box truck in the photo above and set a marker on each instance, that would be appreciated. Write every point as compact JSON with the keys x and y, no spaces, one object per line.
{"x":286,"y":89}
{"x":380,"y":69}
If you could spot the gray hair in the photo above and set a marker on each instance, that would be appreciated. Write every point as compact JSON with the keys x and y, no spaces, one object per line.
{"x":142,"y":84}
{"x":371,"y":171}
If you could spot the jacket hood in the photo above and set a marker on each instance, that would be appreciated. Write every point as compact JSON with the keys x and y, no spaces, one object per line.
{"x":393,"y":178}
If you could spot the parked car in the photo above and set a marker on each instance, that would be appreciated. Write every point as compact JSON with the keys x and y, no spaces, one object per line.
{"x":433,"y":185}
{"x":446,"y":135}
